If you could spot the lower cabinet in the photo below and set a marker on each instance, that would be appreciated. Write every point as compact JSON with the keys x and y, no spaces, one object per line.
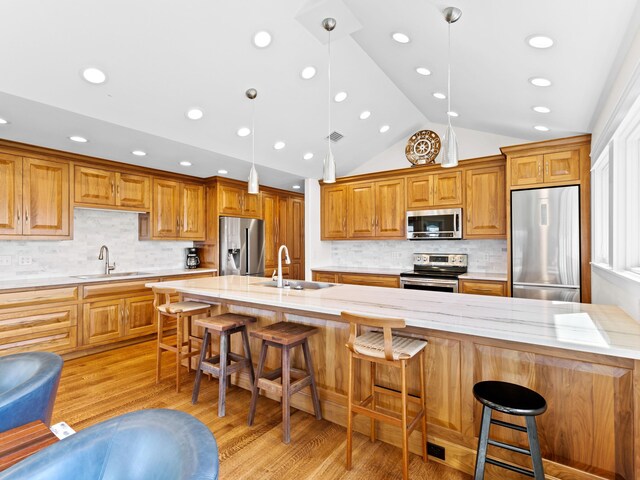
{"x":118,"y":319}
{"x":483,"y":287}
{"x":371,"y":280}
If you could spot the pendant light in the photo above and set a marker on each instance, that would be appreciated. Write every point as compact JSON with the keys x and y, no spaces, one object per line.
{"x":329,"y":170}
{"x":450,"y":150}
{"x":253,"y":185}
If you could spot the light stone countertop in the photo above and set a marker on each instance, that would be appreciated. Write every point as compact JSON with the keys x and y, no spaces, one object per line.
{"x":363,"y":270}
{"x":601,"y":329}
{"x":26,"y":283}
{"x":493,"y":277}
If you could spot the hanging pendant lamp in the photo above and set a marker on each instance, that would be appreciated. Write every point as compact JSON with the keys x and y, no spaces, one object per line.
{"x":329,"y":170}
{"x":253,"y":187}
{"x":450,"y":148}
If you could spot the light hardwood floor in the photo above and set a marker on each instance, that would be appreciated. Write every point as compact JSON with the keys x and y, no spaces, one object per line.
{"x":101,"y":386}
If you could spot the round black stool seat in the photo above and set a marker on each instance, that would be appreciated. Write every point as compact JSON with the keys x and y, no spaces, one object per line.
{"x":509,"y":398}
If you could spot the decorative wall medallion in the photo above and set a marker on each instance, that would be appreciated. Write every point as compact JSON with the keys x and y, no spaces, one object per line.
{"x":423,"y":147}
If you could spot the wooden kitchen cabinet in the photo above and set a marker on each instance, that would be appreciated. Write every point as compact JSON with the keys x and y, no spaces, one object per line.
{"x":94,"y":186}
{"x":140,"y":316}
{"x":270,"y":217}
{"x":178,"y":210}
{"x":527,"y":170}
{"x":485,"y":204}
{"x":376,"y":209}
{"x":372,"y":280}
{"x":328,"y":277}
{"x":283,"y":217}
{"x":553,"y":167}
{"x":295,"y":229}
{"x":34,"y":198}
{"x":237,"y":202}
{"x":334,"y":212}
{"x":483,"y":287}
{"x":434,"y":190}
{"x":192,"y":211}
{"x":362,"y":210}
{"x":133,"y":191}
{"x":419,"y":192}
{"x":102,"y":321}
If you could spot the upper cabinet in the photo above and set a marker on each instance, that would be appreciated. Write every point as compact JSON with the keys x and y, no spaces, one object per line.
{"x":334,"y":211}
{"x":107,"y":188}
{"x":283,"y":216}
{"x":235,"y":201}
{"x":34,"y":198}
{"x":192,"y":211}
{"x":485,"y":206}
{"x":434,"y":190}
{"x":562,"y":166}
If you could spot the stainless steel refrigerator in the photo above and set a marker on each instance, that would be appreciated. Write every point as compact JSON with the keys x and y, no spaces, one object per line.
{"x":545,"y":243}
{"x":241,"y":246}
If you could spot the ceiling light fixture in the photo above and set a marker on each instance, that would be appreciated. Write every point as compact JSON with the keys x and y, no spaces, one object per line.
{"x":308,"y":72}
{"x":453,"y":114}
{"x":329,"y":166}
{"x":279,"y":145}
{"x":541,"y":128}
{"x":3,"y":121}
{"x":450,"y":150}
{"x":540,"y":41}
{"x":423,"y":71}
{"x":222,"y":172}
{"x":243,"y":131}
{"x":139,"y":153}
{"x":401,"y":37}
{"x":308,"y":156}
{"x":94,"y":75}
{"x":195,"y":114}
{"x":439,"y":95}
{"x":540,"y":82}
{"x":541,"y":109}
{"x":340,"y":97}
{"x":364,"y":115}
{"x":185,"y":163}
{"x":253,"y":186}
{"x":77,"y":138}
{"x":262,"y":39}
{"x":296,"y":187}
{"x":384,"y":128}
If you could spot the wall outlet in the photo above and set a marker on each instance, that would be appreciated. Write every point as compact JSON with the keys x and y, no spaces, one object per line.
{"x":436,"y":451}
{"x":5,"y":260}
{"x":24,"y":260}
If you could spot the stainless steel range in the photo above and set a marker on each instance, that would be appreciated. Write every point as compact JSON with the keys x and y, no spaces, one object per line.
{"x":437,"y":272}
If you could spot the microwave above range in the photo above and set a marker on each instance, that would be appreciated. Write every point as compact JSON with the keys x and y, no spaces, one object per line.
{"x":444,"y":224}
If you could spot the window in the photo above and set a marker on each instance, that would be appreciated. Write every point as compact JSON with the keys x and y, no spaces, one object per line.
{"x":601,"y":180}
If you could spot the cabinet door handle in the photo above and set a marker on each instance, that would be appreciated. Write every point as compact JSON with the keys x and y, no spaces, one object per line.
{"x":539,"y":169}
{"x":546,"y":164}
{"x":18,"y":213}
{"x":112,"y":188}
{"x":178,"y":223}
{"x":26,"y":215}
{"x":118,"y":190}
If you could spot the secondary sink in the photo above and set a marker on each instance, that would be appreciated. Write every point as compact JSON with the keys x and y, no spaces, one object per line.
{"x":300,"y":285}
{"x":112,"y":275}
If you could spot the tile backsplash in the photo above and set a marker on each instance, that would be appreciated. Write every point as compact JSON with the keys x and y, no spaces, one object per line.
{"x":92,"y":228}
{"x":484,"y":255}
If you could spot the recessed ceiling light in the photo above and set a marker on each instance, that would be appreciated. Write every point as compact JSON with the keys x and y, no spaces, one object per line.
{"x":452,"y":114}
{"x":364,"y":115}
{"x":384,"y":129}
{"x":540,"y":41}
{"x":296,"y":187}
{"x":222,"y":172}
{"x":308,"y":156}
{"x":3,"y":121}
{"x":401,"y":37}
{"x":279,"y":145}
{"x":185,"y":164}
{"x":340,"y":97}
{"x":308,"y":72}
{"x":541,"y":128}
{"x":542,"y":109}
{"x":94,"y":75}
{"x":243,"y":131}
{"x":195,"y":114}
{"x":439,"y":95}
{"x":262,"y":39}
{"x":540,"y":82}
{"x":79,"y":139}
{"x":423,"y":71}
{"x":139,"y":153}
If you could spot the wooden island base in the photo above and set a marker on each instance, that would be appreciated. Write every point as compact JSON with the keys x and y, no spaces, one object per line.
{"x":587,"y":432}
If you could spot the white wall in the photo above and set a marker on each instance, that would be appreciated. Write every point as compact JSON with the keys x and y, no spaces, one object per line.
{"x":92,"y":228}
{"x":471,"y":144}
{"x":316,"y":252}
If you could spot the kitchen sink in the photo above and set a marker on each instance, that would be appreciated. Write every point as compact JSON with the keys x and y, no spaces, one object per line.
{"x":300,"y":285}
{"x":111,"y":275}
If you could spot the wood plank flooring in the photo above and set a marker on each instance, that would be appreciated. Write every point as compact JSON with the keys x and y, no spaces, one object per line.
{"x":101,"y":386}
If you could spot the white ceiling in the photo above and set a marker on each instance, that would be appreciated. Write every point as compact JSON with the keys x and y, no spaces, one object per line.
{"x":163,"y":57}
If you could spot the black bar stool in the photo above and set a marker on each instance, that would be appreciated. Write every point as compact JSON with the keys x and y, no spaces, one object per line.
{"x":513,"y":400}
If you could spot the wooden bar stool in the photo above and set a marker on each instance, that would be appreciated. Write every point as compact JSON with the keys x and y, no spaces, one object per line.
{"x":391,"y":350}
{"x":223,"y":365}
{"x":511,"y":399}
{"x":285,"y":336}
{"x":178,"y":311}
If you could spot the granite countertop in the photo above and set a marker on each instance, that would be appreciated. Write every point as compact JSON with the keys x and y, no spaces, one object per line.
{"x":494,"y":277}
{"x":363,"y":270}
{"x":19,"y":283}
{"x":601,"y":329}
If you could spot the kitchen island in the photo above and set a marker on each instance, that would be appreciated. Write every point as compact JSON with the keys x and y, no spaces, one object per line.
{"x":584,"y":359}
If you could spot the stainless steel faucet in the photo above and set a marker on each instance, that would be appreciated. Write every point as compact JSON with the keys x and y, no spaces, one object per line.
{"x":279,"y":283}
{"x":107,"y":267}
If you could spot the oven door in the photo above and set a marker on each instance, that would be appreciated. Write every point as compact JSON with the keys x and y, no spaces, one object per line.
{"x":432,"y":284}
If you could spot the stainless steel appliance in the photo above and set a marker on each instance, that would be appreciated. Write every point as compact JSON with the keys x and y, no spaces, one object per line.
{"x":193,"y":259}
{"x":241,"y":246}
{"x":437,"y":272}
{"x":545,"y":243}
{"x":445,"y":224}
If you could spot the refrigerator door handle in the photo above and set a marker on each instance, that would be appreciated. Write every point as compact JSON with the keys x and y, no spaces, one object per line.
{"x":549,"y":285}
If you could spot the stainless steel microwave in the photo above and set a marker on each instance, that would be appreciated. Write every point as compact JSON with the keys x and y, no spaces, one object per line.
{"x":435,"y":224}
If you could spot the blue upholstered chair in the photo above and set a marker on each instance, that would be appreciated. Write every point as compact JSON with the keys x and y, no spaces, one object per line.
{"x":143,"y":445}
{"x":28,"y":387}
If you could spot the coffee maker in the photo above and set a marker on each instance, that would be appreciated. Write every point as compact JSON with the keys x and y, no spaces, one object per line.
{"x":193,"y":260}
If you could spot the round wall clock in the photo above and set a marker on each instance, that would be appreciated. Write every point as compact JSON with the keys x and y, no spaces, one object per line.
{"x":423,"y":147}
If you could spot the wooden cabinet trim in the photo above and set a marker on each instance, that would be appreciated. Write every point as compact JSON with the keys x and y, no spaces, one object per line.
{"x":38,"y":297}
